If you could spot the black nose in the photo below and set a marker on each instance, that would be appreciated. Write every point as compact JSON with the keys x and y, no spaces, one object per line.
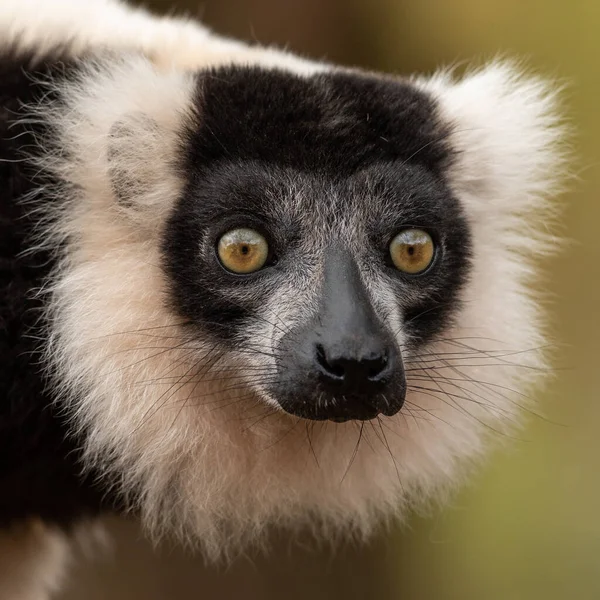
{"x":355,"y":380}
{"x":355,"y":373}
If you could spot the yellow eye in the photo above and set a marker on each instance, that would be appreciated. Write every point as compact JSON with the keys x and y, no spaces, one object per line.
{"x":243,"y":250}
{"x":412,"y":251}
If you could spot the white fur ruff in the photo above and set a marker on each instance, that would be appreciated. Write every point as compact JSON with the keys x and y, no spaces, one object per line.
{"x":192,"y":457}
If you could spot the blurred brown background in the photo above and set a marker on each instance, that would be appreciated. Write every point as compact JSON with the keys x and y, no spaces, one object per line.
{"x":529,"y":525}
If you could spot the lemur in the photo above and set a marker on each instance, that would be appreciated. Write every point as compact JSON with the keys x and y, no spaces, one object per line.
{"x":241,"y":289}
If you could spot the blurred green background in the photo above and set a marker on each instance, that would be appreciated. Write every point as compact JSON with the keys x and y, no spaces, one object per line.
{"x":528,"y":527}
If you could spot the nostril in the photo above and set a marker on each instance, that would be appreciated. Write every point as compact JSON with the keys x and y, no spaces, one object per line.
{"x":334,"y":368}
{"x":372,"y":367}
{"x":376,"y":366}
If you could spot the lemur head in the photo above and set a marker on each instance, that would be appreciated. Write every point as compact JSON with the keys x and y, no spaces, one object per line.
{"x":293,"y":297}
{"x":317,"y":241}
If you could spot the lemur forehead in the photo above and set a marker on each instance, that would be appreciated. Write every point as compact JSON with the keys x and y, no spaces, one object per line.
{"x":336,"y":122}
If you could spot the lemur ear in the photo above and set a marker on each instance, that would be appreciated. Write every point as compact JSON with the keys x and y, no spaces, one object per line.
{"x":507,"y":136}
{"x":138,"y":164}
{"x":123,"y":119}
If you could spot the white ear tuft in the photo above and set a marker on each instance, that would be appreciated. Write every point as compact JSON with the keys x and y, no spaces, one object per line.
{"x":140,"y":165}
{"x":507,"y":134}
{"x":122,"y":119}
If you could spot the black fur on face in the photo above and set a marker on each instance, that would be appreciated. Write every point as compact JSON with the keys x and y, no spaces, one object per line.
{"x":338,"y":160}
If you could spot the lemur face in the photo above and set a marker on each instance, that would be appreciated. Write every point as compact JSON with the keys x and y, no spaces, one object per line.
{"x":318,"y":245}
{"x":290,"y":297}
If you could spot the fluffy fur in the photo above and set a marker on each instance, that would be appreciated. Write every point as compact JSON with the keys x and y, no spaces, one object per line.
{"x":35,"y":25}
{"x":209,"y":457}
{"x":209,"y":472}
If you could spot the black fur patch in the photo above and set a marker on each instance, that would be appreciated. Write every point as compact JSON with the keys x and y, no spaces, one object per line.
{"x":349,"y":132}
{"x":336,"y":123}
{"x":39,"y":470}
